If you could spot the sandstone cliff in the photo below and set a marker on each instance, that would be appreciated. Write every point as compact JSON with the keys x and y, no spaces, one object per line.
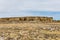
{"x":29,"y":28}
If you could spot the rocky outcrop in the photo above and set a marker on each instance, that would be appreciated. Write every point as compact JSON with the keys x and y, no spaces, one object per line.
{"x":29,"y":28}
{"x":26,"y":19}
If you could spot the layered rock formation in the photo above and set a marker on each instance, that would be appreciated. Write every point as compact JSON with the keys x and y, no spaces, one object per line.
{"x":29,"y":28}
{"x":27,"y":19}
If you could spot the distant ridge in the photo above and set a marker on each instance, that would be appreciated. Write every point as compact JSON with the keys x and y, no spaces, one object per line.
{"x":29,"y":18}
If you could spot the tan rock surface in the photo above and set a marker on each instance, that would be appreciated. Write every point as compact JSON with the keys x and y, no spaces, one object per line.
{"x":29,"y":28}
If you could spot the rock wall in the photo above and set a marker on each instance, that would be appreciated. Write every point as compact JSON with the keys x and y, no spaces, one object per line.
{"x":22,"y":19}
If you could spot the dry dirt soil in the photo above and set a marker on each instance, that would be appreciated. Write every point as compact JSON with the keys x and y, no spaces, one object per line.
{"x":30,"y":31}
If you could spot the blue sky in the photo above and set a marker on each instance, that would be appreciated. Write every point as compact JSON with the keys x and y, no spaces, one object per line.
{"x":17,"y":8}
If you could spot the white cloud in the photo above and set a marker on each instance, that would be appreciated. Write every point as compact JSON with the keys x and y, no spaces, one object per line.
{"x":18,"y":5}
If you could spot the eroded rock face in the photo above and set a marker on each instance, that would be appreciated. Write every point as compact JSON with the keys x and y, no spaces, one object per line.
{"x":29,"y":28}
{"x":25,"y":19}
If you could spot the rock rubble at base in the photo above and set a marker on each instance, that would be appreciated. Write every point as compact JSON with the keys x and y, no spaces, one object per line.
{"x":27,"y":34}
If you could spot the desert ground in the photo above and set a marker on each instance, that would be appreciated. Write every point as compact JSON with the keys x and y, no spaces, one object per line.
{"x":30,"y":31}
